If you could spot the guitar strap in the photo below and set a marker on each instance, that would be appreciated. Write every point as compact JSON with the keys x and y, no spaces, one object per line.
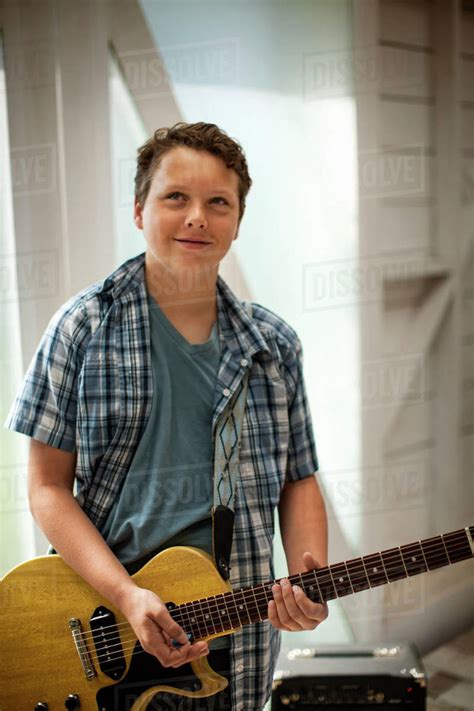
{"x":226,"y":470}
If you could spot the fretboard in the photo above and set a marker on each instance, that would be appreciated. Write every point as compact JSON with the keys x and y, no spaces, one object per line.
{"x":246,"y":606}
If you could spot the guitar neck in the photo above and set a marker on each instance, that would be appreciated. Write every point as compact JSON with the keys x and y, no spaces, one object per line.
{"x":232,"y":610}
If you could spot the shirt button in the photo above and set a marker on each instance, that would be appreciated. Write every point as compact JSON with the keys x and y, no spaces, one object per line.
{"x":244,"y":362}
{"x":226,"y":392}
{"x":240,"y":668}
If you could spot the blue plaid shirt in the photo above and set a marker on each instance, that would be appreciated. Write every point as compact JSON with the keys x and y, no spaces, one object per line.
{"x":89,"y":389}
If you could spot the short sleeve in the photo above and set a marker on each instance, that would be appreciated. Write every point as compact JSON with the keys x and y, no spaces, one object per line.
{"x":302,"y":458}
{"x":45,"y":407}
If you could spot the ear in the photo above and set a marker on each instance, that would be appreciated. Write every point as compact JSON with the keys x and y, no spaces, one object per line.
{"x":138,"y":214}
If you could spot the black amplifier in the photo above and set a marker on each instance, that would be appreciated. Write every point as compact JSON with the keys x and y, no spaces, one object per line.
{"x":356,"y":676}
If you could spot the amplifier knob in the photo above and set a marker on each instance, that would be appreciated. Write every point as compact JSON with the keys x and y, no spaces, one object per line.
{"x":285,"y":700}
{"x":380,"y":696}
{"x":294,"y":697}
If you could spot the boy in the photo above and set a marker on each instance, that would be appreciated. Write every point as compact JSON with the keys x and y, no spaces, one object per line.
{"x":125,"y":396}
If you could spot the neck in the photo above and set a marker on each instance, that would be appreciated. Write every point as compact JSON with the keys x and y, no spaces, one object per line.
{"x":231,"y":610}
{"x":191,"y":290}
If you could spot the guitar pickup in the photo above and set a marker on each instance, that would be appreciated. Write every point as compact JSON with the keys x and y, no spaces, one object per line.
{"x":107,"y":642}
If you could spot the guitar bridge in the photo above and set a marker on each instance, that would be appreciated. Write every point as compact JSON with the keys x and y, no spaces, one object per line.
{"x":84,"y":657}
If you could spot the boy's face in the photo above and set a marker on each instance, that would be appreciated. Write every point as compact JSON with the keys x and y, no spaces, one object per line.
{"x":192,"y":196}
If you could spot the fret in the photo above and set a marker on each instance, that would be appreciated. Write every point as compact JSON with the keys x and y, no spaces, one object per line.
{"x":328,"y":568}
{"x":320,"y":597}
{"x":300,"y":582}
{"x":256,"y":605}
{"x":193,"y":622}
{"x":199,"y":614}
{"x":203,"y":621}
{"x":349,"y":577}
{"x":357,"y":574}
{"x":218,"y":621}
{"x":325,"y":584}
{"x":394,"y":565}
{"x":341,"y":579}
{"x":446,"y":550}
{"x":435,"y":554}
{"x":241,"y":604}
{"x":268,"y":595}
{"x":236,"y":607}
{"x":227,"y":618}
{"x":309,"y":587}
{"x":457,"y":545}
{"x":424,"y":558}
{"x":208,"y":616}
{"x":181,"y":616}
{"x":414,"y":558}
{"x":384,"y":568}
{"x":365,"y":569}
{"x":261,"y":596}
{"x":375,"y":570}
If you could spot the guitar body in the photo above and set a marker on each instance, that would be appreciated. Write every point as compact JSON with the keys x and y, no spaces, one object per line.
{"x":38,"y":655}
{"x":59,"y":641}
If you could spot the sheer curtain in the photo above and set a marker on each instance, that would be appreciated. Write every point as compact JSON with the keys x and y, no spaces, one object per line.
{"x":16,"y":525}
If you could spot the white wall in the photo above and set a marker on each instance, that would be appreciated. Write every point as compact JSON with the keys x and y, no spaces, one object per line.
{"x":247,"y":68}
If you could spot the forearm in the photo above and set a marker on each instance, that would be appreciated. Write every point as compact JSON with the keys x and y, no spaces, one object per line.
{"x":303,"y":523}
{"x":75,"y":538}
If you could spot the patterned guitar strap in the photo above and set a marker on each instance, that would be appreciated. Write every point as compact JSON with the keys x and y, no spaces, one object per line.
{"x":226,"y":471}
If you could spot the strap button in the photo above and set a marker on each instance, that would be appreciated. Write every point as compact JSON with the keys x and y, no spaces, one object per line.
{"x":226,"y":392}
{"x":244,"y":362}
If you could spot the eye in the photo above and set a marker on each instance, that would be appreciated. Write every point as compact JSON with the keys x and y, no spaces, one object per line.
{"x":171,"y":195}
{"x":224,"y":201}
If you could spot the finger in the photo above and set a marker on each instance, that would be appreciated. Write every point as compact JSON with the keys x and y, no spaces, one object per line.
{"x":274,"y":618}
{"x":168,"y":625}
{"x":288,"y":612}
{"x":294,"y":606}
{"x":160,"y":643}
{"x":197,"y":650}
{"x":312,"y":611}
{"x":177,"y":656}
{"x":155,"y":642}
{"x":310,"y":561}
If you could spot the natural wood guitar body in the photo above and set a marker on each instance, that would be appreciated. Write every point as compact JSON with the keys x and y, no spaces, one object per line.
{"x":44,"y":603}
{"x":38,"y":657}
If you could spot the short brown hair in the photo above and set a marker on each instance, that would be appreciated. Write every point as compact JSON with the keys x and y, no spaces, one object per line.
{"x":202,"y":137}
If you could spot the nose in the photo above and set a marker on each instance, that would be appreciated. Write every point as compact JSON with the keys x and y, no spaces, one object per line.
{"x":196,"y":217}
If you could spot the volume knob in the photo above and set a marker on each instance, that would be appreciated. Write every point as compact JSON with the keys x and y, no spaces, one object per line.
{"x":41,"y":706}
{"x":72,"y":702}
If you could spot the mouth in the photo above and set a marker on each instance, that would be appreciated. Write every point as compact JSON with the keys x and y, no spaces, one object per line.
{"x":193,"y":244}
{"x":192,"y":241}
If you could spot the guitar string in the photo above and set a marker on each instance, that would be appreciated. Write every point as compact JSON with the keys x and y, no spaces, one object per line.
{"x":324,"y":579}
{"x":237,"y":621}
{"x":261,"y":596}
{"x":229,"y":630}
{"x":134,"y":638}
{"x":213,"y":604}
{"x":111,"y":657}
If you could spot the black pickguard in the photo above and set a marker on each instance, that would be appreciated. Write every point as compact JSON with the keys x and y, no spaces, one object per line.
{"x":146,"y":671}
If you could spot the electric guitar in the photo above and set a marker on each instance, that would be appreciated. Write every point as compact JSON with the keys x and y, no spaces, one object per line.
{"x":62,"y":646}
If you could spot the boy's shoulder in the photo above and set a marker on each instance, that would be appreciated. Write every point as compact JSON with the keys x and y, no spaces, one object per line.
{"x":274,"y":326}
{"x":87,"y":306}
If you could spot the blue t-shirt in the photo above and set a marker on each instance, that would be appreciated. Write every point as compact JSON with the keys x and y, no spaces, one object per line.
{"x":167,"y":495}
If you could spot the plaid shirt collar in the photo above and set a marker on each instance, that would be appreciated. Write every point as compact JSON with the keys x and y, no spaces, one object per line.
{"x":241,"y":335}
